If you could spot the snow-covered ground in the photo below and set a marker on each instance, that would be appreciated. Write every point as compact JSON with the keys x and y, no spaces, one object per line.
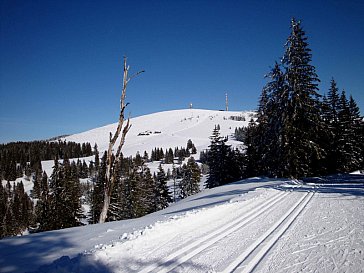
{"x":255,"y":224}
{"x":259,"y":225}
{"x":168,"y":129}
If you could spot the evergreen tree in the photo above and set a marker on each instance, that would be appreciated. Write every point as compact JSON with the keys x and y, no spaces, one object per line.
{"x":120,"y":198}
{"x":344,"y":142}
{"x":223,"y":167}
{"x":3,"y":210}
{"x":55,"y":199}
{"x":65,"y":206}
{"x":98,"y":188}
{"x":213,"y":160}
{"x":149,"y":188}
{"x":302,"y":126}
{"x":267,"y":137}
{"x":349,"y":136}
{"x":37,"y":178}
{"x":162,"y":194}
{"x":330,"y":114}
{"x":357,"y":139}
{"x":42,"y":209}
{"x":191,"y":176}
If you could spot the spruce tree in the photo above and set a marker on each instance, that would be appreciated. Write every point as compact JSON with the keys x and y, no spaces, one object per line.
{"x":221,"y":161}
{"x":42,"y":209}
{"x":37,"y":178}
{"x":162,"y":194}
{"x":330,"y":114}
{"x":345,"y":140}
{"x":98,"y":188}
{"x":3,"y":207}
{"x":269,"y":136}
{"x":357,"y":138}
{"x":191,"y":176}
{"x":302,"y":126}
{"x":213,"y":160}
{"x":149,"y":188}
{"x":350,"y":135}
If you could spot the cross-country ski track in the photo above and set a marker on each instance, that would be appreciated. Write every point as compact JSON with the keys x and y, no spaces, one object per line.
{"x":255,"y":251}
{"x":247,"y":226}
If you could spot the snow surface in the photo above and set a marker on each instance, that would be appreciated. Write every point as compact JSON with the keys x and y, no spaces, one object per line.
{"x":255,"y":224}
{"x":168,"y":129}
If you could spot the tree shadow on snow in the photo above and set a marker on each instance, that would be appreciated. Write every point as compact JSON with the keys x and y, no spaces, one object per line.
{"x":84,"y":264}
{"x":136,"y":266}
{"x":33,"y":252}
{"x":20,"y":254}
{"x":343,"y":184}
{"x":79,"y":264}
{"x":222,"y":196}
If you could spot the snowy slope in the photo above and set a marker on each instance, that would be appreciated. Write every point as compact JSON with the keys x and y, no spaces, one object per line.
{"x":259,"y":225}
{"x":255,"y":224}
{"x":168,"y":129}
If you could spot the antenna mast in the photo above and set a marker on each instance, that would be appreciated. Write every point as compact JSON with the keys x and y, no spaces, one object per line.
{"x":226,"y":102}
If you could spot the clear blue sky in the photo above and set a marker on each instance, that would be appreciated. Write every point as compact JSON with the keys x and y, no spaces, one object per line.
{"x":61,"y":61}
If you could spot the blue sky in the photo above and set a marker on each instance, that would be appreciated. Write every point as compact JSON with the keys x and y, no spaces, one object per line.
{"x":61,"y":61}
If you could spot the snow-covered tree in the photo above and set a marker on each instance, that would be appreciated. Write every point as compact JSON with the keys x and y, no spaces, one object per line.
{"x":191,"y":177}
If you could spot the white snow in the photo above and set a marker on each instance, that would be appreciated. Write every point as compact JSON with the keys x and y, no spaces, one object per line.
{"x":258,"y":224}
{"x":176,"y":128}
{"x":261,"y":224}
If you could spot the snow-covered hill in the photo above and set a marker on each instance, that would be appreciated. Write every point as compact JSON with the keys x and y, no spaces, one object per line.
{"x":258,"y":225}
{"x":168,"y":129}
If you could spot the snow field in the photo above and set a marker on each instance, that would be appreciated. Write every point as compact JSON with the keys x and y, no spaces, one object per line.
{"x":178,"y":235}
{"x":168,"y":129}
{"x":259,"y":231}
{"x":329,"y":239}
{"x":207,"y":240}
{"x":254,"y":225}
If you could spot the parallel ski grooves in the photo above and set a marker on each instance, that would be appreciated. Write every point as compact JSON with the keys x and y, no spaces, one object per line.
{"x":189,"y":251}
{"x":270,"y":236}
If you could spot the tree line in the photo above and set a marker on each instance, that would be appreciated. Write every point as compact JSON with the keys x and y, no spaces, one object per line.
{"x":19,"y":158}
{"x":298,"y":132}
{"x":137,"y":191}
{"x":58,"y":199}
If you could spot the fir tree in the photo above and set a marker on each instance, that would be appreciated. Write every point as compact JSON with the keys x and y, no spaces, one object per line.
{"x":191,"y":176}
{"x":330,"y":114}
{"x":162,"y":194}
{"x":37,"y":178}
{"x":302,"y":126}
{"x":349,"y":135}
{"x":98,"y":188}
{"x":42,"y":209}
{"x":357,"y":136}
{"x":3,"y":210}
{"x":223,"y":167}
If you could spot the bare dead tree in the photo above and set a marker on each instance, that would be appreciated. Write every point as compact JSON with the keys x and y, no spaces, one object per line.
{"x":113,"y":160}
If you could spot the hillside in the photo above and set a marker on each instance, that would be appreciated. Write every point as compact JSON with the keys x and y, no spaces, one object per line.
{"x":168,"y":129}
{"x":253,"y":225}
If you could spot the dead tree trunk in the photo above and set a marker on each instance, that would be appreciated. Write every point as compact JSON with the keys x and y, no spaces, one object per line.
{"x":112,"y":161}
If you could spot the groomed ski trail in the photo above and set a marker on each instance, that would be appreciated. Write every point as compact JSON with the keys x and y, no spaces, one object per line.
{"x":178,"y":258}
{"x":256,"y":251}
